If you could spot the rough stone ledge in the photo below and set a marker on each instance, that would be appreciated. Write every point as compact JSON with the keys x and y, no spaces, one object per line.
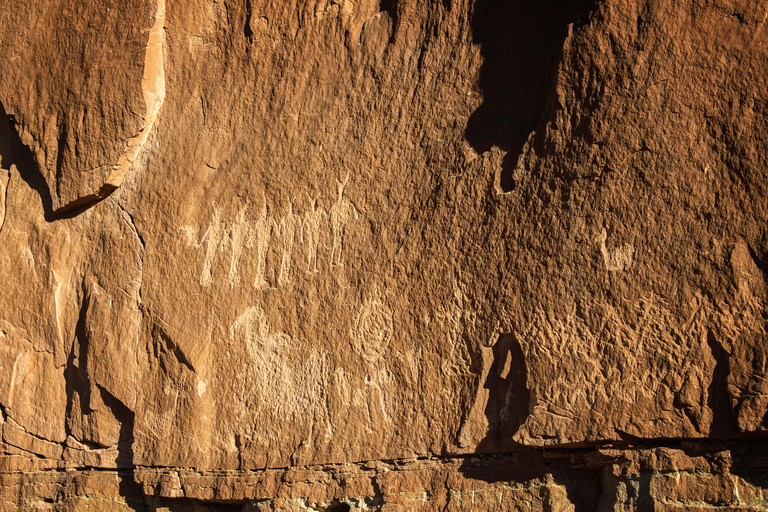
{"x":686,"y":475}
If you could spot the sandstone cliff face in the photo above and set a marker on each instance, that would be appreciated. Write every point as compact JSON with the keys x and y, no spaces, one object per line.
{"x":389,"y":255}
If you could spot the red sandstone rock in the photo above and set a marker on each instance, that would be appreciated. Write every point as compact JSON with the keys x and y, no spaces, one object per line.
{"x":320,"y":255}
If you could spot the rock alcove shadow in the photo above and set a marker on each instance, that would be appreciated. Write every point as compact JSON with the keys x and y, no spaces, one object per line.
{"x":507,"y":408}
{"x":521,"y":44}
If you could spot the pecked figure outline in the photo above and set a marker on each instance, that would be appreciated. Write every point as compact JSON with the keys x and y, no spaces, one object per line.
{"x":308,"y":228}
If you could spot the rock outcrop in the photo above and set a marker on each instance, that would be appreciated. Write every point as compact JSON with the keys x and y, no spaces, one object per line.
{"x":392,"y":255}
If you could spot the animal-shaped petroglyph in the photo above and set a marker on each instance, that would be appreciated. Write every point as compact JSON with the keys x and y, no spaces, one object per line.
{"x":617,"y":259}
{"x":239,"y":235}
{"x":340,"y":213}
{"x":255,"y":329}
{"x":311,"y":229}
{"x":282,"y":380}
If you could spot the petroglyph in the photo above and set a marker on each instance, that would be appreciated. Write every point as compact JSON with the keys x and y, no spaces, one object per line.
{"x":286,"y":381}
{"x":310,"y":234}
{"x":289,"y":224}
{"x":340,"y":213}
{"x":373,"y":328}
{"x":618,"y":259}
{"x":4,"y":178}
{"x":312,"y":229}
{"x":260,"y":237}
{"x":212,"y":239}
{"x":253,"y":323}
{"x":238,"y":237}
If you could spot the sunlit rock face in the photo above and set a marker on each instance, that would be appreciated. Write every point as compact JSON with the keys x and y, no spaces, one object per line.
{"x":388,"y":255}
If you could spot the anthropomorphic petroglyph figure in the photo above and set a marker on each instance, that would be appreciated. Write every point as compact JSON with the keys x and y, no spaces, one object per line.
{"x":238,"y":237}
{"x":261,"y":235}
{"x":289,"y":224}
{"x":340,"y":213}
{"x":372,"y":333}
{"x":310,"y":234}
{"x":212,"y":239}
{"x":373,"y":329}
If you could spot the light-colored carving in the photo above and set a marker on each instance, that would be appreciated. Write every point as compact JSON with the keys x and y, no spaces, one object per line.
{"x":310,"y":234}
{"x":212,"y":239}
{"x":457,"y":318}
{"x":4,"y":178}
{"x":238,"y":238}
{"x":373,"y":328}
{"x":618,"y":259}
{"x":289,"y":224}
{"x":261,"y":234}
{"x":340,"y":213}
{"x":281,"y":382}
{"x":253,"y":323}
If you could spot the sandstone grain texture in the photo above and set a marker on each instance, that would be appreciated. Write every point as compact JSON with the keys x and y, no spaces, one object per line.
{"x":393,"y":255}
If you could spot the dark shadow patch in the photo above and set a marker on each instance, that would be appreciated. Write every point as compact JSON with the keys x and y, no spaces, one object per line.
{"x":750,"y":462}
{"x":21,"y":156}
{"x":164,"y":345}
{"x":192,"y":505}
{"x":509,"y":399}
{"x":78,"y":382}
{"x":508,"y":407}
{"x":247,"y":31}
{"x":15,"y":152}
{"x":521,"y":44}
{"x":582,"y":486}
{"x":724,"y":423}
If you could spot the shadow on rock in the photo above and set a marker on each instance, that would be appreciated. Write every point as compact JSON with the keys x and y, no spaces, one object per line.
{"x":16,"y":153}
{"x":521,"y":44}
{"x":504,"y":459}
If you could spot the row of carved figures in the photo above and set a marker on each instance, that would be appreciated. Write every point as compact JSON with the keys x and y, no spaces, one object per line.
{"x":244,"y":234}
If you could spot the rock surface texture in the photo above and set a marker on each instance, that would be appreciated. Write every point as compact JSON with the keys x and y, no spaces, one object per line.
{"x":384,"y":255}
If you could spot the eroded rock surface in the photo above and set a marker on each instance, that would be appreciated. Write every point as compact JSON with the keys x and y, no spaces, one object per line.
{"x":389,"y":255}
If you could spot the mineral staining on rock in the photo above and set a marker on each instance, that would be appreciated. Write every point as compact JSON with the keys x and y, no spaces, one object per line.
{"x":337,"y":254}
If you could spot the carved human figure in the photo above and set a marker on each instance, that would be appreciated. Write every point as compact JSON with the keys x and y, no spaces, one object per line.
{"x":289,"y":224}
{"x":238,"y":237}
{"x":340,"y":213}
{"x":372,"y":332}
{"x":311,"y":230}
{"x":212,"y":239}
{"x":260,"y":236}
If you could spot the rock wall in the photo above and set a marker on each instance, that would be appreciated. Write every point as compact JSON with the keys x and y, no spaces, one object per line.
{"x":387,"y":255}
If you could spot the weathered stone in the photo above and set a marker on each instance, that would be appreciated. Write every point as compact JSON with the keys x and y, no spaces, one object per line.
{"x":321,"y":255}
